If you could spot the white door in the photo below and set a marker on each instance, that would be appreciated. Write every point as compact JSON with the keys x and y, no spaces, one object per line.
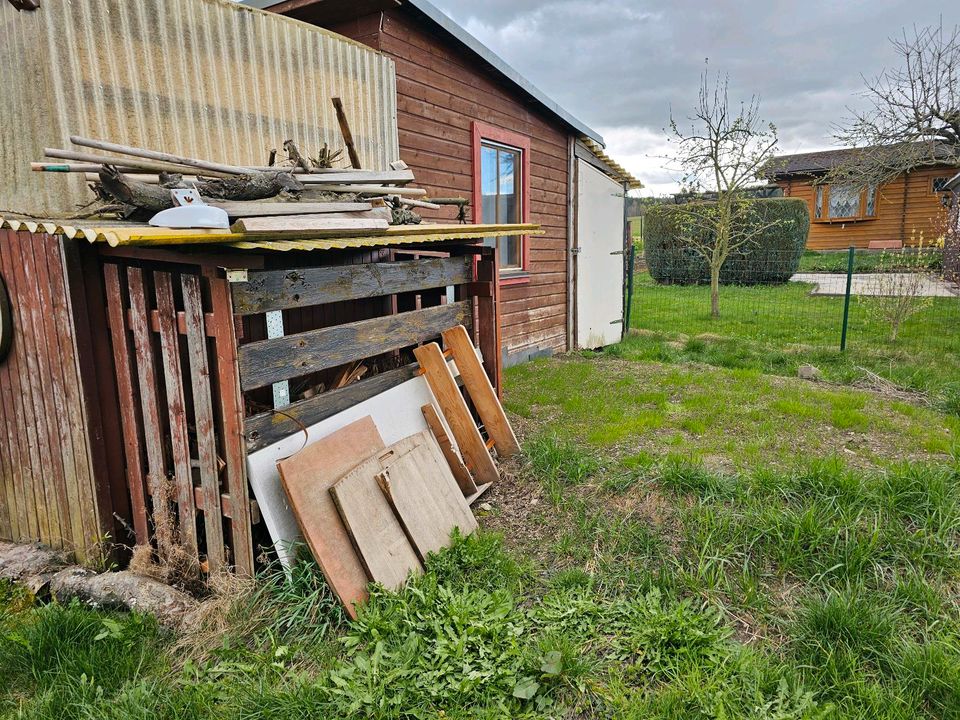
{"x":599,"y":259}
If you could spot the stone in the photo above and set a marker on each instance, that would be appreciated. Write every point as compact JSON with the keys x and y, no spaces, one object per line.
{"x":808,"y":372}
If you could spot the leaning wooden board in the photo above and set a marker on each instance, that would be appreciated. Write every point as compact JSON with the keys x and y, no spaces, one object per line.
{"x":377,"y":534}
{"x":425,"y":496}
{"x":307,"y":478}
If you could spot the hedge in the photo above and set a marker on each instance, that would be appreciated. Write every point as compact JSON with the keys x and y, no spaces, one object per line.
{"x":771,"y":257}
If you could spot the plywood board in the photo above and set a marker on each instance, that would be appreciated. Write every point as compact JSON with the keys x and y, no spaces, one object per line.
{"x":425,"y":496}
{"x":307,"y":478}
{"x":396,"y":413}
{"x":386,"y":551}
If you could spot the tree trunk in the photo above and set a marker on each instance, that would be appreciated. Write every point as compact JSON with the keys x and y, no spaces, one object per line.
{"x":715,"y":291}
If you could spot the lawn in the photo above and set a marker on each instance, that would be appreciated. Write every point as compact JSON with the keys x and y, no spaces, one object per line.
{"x":692,"y":532}
{"x":775,"y":329}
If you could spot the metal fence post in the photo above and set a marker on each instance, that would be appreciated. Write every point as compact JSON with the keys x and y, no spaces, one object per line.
{"x":846,"y":298}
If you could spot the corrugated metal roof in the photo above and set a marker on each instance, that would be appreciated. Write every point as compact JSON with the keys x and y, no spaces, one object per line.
{"x":204,"y":78}
{"x":138,"y":234}
{"x":442,"y":21}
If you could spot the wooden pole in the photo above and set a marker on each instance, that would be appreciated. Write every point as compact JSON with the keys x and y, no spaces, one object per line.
{"x":161,"y":156}
{"x":141,"y":165}
{"x":345,"y":131}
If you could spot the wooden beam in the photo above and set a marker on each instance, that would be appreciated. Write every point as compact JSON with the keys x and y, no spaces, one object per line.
{"x":454,"y":408}
{"x":345,"y":131}
{"x":481,"y":391}
{"x":268,"y":361}
{"x":281,"y":289}
{"x":314,"y":225}
{"x":269,"y":427}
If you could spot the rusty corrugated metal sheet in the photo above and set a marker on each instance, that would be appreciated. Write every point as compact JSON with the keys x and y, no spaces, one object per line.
{"x":205,"y":78}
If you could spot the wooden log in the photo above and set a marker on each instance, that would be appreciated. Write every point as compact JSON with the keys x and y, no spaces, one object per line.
{"x":125,"y":163}
{"x":481,"y":391}
{"x":267,"y":290}
{"x":345,"y":131}
{"x":454,"y":408}
{"x":313,"y":225}
{"x":421,"y":204}
{"x":268,"y":361}
{"x":250,"y":208}
{"x":194,"y":319}
{"x":160,"y":156}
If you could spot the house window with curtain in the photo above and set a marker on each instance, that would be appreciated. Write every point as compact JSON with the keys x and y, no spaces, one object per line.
{"x":501,"y":189}
{"x":840,"y":202}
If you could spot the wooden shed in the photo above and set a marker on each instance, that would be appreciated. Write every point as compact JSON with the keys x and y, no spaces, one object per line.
{"x":140,"y":375}
{"x":471,"y":126}
{"x":902,"y":212}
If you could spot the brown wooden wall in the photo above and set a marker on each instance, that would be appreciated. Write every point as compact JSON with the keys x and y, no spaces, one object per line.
{"x":48,"y":488}
{"x":906,"y":208}
{"x":440,"y":92}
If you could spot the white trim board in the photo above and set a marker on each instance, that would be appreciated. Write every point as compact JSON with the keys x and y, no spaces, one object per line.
{"x":397,"y":415}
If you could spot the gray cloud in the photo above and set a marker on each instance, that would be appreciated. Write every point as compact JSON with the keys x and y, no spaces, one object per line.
{"x":619,"y":65}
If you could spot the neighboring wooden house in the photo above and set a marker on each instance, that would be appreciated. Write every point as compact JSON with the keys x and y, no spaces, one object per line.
{"x":470,"y":126}
{"x":951,"y":250}
{"x":899,"y":213}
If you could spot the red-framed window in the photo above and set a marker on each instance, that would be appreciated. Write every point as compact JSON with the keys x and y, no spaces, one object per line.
{"x":501,"y":193}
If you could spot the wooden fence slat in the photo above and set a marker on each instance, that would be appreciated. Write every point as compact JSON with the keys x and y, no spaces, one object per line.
{"x":268,"y":427}
{"x":269,"y":361}
{"x":150,"y":410}
{"x":128,"y":403}
{"x":231,"y":401}
{"x":19,"y":525}
{"x":176,"y":408}
{"x":203,"y":419}
{"x":29,"y":517}
{"x":29,"y":386}
{"x":282,"y":289}
{"x":454,"y":408}
{"x":61,"y":415}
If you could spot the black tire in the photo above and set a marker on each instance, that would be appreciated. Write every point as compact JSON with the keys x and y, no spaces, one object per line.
{"x":6,"y":322}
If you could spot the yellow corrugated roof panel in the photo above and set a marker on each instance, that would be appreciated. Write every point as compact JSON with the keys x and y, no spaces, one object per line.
{"x":135,"y":234}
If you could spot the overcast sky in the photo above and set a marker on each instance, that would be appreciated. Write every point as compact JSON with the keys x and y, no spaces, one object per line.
{"x":619,"y":65}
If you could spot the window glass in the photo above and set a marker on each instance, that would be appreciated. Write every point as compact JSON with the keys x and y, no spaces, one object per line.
{"x":871,"y":201}
{"x":819,"y":208}
{"x":940,"y":184}
{"x":844,"y":201}
{"x":500,"y":190}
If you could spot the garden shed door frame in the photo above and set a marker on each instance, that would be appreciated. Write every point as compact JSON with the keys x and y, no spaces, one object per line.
{"x":598,"y":258}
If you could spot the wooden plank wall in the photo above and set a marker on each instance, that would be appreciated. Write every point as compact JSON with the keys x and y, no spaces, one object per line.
{"x":440,"y":91}
{"x":906,"y":208}
{"x":174,"y":357}
{"x":48,"y":489}
{"x":372,"y":313}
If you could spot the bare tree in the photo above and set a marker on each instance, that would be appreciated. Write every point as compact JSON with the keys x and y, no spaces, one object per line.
{"x":912,"y":113}
{"x":725,"y":150}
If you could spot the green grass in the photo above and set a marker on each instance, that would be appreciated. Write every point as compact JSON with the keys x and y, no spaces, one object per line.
{"x":864,"y":261}
{"x":775,"y":329}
